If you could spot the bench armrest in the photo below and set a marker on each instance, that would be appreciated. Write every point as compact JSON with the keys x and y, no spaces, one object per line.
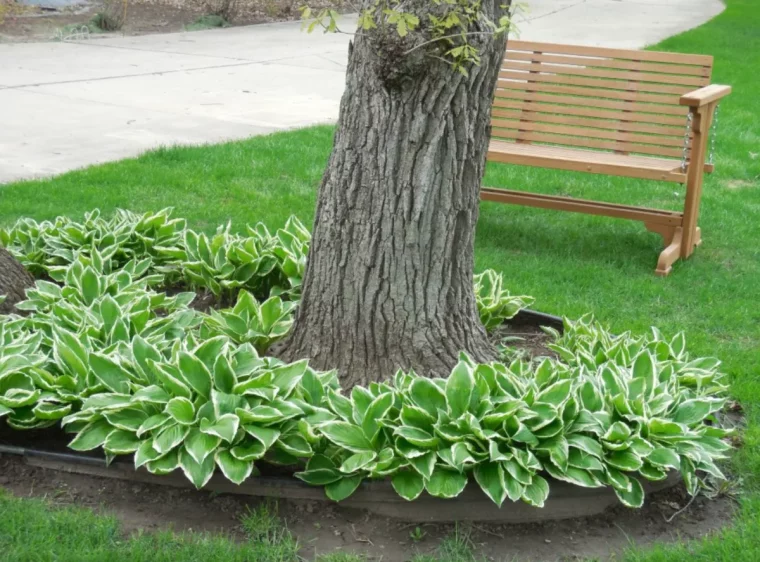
{"x":703,"y":96}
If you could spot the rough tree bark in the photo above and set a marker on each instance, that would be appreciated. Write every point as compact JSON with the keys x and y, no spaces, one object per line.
{"x":389,"y":281}
{"x":14,"y":278}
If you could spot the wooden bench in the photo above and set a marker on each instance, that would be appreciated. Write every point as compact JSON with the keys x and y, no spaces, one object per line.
{"x":638,"y":114}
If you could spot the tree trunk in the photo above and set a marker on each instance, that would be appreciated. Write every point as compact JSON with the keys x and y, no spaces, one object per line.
{"x":389,"y":281}
{"x":14,"y":279}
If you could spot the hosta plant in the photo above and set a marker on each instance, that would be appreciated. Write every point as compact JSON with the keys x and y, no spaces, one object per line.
{"x":613,"y":423}
{"x":222,"y":264}
{"x":49,"y":246}
{"x":201,"y":407}
{"x":250,"y":322}
{"x":495,"y":303}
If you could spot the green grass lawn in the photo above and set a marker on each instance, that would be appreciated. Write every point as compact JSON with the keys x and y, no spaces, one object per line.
{"x":571,"y":263}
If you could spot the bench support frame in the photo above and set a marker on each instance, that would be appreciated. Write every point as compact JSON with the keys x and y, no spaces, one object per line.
{"x":679,"y":230}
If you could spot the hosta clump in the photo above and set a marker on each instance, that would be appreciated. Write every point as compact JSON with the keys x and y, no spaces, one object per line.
{"x":250,"y":322}
{"x":204,"y":405}
{"x":259,"y":262}
{"x":495,"y":303}
{"x":27,"y":396}
{"x":611,"y":422}
{"x":50,"y":246}
{"x":54,"y":357}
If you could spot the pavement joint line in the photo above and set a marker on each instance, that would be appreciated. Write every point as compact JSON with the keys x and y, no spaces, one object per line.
{"x":558,"y":10}
{"x":260,"y":125}
{"x":157,"y":73}
{"x":121,"y":76}
{"x":126,"y":48}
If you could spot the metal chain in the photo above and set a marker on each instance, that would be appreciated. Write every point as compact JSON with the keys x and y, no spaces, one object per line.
{"x":686,"y":141}
{"x":713,"y":134}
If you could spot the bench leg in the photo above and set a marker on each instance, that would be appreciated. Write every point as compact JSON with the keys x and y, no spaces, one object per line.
{"x":672,"y":236}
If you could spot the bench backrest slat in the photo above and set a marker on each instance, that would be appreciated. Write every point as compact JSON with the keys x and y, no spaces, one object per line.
{"x":617,"y":100}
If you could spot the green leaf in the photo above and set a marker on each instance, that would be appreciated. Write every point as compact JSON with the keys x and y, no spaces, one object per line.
{"x":376,"y":412}
{"x":346,"y":435}
{"x":110,"y":312}
{"x":266,"y":435}
{"x":250,"y":450}
{"x":170,"y":379}
{"x":237,"y":471}
{"x":181,"y":410}
{"x":200,"y":445}
{"x":208,"y":352}
{"x":517,"y":471}
{"x":339,"y":404}
{"x":585,"y":444}
{"x":617,"y":433}
{"x":153,"y":422}
{"x":45,"y":411}
{"x":92,"y":436}
{"x":645,"y":368}
{"x":417,"y":437}
{"x":198,"y":473}
{"x":446,"y":483}
{"x":624,"y":460}
{"x":537,"y":492}
{"x":224,"y":375}
{"x":490,"y":477}
{"x":169,"y":438}
{"x":665,"y":458}
{"x":260,"y":414}
{"x":665,"y":428}
{"x":152,"y":395}
{"x":295,"y":445}
{"x":121,"y":442}
{"x":357,"y":461}
{"x":408,"y":484}
{"x":634,"y":497}
{"x":343,"y":488}
{"x":556,"y":394}
{"x":286,"y":378}
{"x":143,"y":351}
{"x":692,"y":411}
{"x":165,"y":464}
{"x":108,"y":372}
{"x":129,"y":419}
{"x":428,"y":396}
{"x":320,"y":471}
{"x":424,"y":464}
{"x":145,"y":453}
{"x":195,"y":373}
{"x":90,"y":285}
{"x":459,"y":387}
{"x":225,"y":426}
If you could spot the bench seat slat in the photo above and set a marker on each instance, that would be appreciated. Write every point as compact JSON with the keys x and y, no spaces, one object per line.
{"x":563,"y":158}
{"x":604,"y":52}
{"x":616,"y":123}
{"x":592,"y":93}
{"x":623,"y":136}
{"x":571,"y":80}
{"x":592,"y":102}
{"x":540,"y":106}
{"x":604,"y":63}
{"x":550,"y":138}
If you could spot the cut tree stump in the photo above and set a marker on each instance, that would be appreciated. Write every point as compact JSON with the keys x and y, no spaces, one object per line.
{"x":14,"y":280}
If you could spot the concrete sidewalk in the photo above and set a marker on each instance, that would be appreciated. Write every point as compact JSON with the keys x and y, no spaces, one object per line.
{"x":68,"y":105}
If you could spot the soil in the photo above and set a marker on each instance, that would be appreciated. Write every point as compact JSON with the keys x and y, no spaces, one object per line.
{"x":32,"y":23}
{"x":525,"y":339}
{"x":323,"y":527}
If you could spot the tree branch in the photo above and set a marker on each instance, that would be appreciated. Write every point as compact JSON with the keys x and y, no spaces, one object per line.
{"x":453,"y":36}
